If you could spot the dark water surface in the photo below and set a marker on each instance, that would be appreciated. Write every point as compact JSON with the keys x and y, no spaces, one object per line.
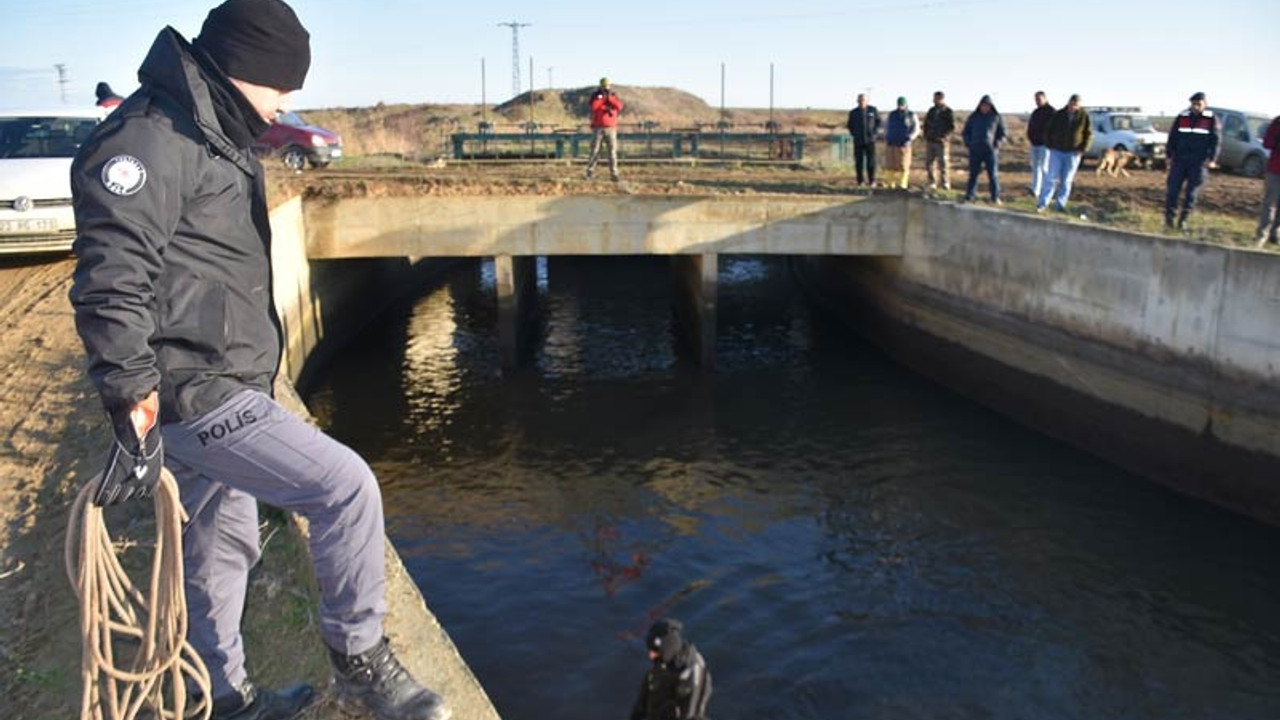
{"x":843,"y":539}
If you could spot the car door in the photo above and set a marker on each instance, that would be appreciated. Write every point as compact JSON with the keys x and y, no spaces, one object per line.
{"x":1234,"y":139}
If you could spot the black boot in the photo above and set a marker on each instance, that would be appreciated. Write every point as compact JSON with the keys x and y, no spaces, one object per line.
{"x":1182,"y":220}
{"x":377,"y":680}
{"x":249,"y":703}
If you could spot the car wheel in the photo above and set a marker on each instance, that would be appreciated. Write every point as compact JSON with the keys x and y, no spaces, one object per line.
{"x":1253,"y":166}
{"x":295,"y":158}
{"x":319,"y":164}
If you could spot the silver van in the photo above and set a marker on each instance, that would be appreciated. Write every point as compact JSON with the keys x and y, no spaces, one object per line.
{"x":1241,"y":148}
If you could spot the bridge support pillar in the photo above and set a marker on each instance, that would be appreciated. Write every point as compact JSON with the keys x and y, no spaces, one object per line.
{"x":517,"y":282}
{"x":695,"y":299}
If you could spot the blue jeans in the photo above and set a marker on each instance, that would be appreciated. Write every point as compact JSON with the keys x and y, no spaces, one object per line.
{"x":1062,"y":172}
{"x":1039,"y":168}
{"x":1190,"y":173}
{"x":979,"y":156}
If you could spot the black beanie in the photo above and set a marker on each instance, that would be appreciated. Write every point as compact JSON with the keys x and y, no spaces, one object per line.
{"x":258,"y":41}
{"x":103,"y":91}
{"x":666,"y":638}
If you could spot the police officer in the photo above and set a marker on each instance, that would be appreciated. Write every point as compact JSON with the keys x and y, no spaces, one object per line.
{"x":172,"y":298}
{"x":677,"y":685}
{"x":1192,"y":149}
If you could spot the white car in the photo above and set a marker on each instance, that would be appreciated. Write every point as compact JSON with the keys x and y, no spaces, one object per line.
{"x":36,"y":149}
{"x":1126,"y":128}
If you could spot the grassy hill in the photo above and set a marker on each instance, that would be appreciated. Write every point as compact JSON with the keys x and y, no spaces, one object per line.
{"x":416,"y":130}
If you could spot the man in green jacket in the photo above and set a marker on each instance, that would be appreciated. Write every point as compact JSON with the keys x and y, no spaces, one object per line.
{"x":1070,"y":135}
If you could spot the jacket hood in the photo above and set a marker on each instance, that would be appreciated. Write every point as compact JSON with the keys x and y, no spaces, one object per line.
{"x":985,"y":99}
{"x":170,"y":69}
{"x":666,"y":637}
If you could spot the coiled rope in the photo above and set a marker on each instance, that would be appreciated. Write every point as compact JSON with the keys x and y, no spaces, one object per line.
{"x":116,"y":617}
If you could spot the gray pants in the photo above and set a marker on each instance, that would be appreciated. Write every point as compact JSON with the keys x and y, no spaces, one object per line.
{"x":609,"y":136}
{"x":1269,"y":219}
{"x":938,"y":154}
{"x":252,"y":449}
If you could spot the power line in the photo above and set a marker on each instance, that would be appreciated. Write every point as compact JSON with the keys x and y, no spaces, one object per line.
{"x":515,"y":53}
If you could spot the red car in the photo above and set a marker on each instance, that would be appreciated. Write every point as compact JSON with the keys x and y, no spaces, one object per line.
{"x":298,"y":143}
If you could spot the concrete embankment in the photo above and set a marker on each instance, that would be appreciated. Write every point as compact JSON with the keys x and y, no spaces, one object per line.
{"x":321,"y":306}
{"x":1162,"y":356}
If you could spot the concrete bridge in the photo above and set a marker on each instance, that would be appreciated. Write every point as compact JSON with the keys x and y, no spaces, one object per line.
{"x":1158,"y":354}
{"x":694,"y":231}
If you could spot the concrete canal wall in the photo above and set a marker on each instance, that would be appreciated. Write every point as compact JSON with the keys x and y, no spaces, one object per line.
{"x":322,"y":305}
{"x":1160,"y":355}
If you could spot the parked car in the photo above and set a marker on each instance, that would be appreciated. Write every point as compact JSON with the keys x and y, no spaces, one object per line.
{"x":1240,"y":149}
{"x":1127,"y":128}
{"x":297,"y":143}
{"x":36,"y":149}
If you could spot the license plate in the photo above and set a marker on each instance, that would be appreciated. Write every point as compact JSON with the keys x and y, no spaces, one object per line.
{"x":28,"y":226}
{"x":336,"y":152}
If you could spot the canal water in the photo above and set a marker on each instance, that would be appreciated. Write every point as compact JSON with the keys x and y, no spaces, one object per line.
{"x":842,"y":539}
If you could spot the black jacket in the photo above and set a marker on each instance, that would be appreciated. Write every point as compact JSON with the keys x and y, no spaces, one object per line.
{"x":939,"y":123}
{"x":984,"y":131}
{"x":1194,"y":138}
{"x":678,"y":690}
{"x":172,"y":286}
{"x":864,"y":124}
{"x":1038,"y":125}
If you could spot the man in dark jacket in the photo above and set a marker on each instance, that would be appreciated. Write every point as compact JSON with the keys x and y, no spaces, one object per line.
{"x":939,"y":125}
{"x":1069,"y":135}
{"x":864,"y":126}
{"x":1192,"y":150}
{"x":1037,"y":132}
{"x":901,"y":129}
{"x":172,"y":298}
{"x":984,"y":134}
{"x":677,"y":685}
{"x":1269,"y":220}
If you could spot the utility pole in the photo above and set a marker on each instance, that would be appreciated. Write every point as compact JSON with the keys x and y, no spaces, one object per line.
{"x":515,"y":53}
{"x":551,"y":85}
{"x":62,"y":80}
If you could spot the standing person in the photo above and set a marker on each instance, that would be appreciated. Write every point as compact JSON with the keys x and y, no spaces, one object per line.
{"x":1070,"y":134}
{"x":107,"y":98}
{"x":605,"y":108}
{"x":1192,"y":149}
{"x":903,"y":127}
{"x":939,"y":125}
{"x":983,"y":134}
{"x":678,"y":684}
{"x":1269,"y":220}
{"x":173,"y":304}
{"x":864,"y":126}
{"x":1037,"y":132}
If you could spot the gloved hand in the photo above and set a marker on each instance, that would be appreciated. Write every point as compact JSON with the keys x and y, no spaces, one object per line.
{"x":136,"y":456}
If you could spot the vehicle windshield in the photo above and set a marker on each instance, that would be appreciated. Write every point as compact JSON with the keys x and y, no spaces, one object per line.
{"x":1136,"y":123}
{"x":43,"y":137}
{"x":288,"y":118}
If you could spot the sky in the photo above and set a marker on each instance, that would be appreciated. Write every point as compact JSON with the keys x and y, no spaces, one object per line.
{"x":1122,"y":52}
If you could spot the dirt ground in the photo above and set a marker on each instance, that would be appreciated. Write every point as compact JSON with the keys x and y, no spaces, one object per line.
{"x":1228,"y":205}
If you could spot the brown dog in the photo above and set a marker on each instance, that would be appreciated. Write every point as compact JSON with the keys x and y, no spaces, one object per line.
{"x":1114,"y":162}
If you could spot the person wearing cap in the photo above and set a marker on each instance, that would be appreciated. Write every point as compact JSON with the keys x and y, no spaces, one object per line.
{"x":1068,"y":136}
{"x":1037,"y":136}
{"x":677,"y":685}
{"x":864,"y":126}
{"x":1269,"y":218}
{"x":1192,"y":150}
{"x":901,"y":128}
{"x":939,"y":126}
{"x":605,"y":108}
{"x":172,"y":300}
{"x":107,"y":98}
{"x":983,"y":134}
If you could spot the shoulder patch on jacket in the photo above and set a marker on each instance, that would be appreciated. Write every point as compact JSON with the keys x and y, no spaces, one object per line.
{"x":124,"y":175}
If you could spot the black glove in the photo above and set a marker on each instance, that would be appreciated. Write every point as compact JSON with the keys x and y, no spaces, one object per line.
{"x":133,"y":466}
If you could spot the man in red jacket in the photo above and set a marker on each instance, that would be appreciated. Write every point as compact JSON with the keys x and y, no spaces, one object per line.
{"x":605,"y":107}
{"x":1269,"y":222}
